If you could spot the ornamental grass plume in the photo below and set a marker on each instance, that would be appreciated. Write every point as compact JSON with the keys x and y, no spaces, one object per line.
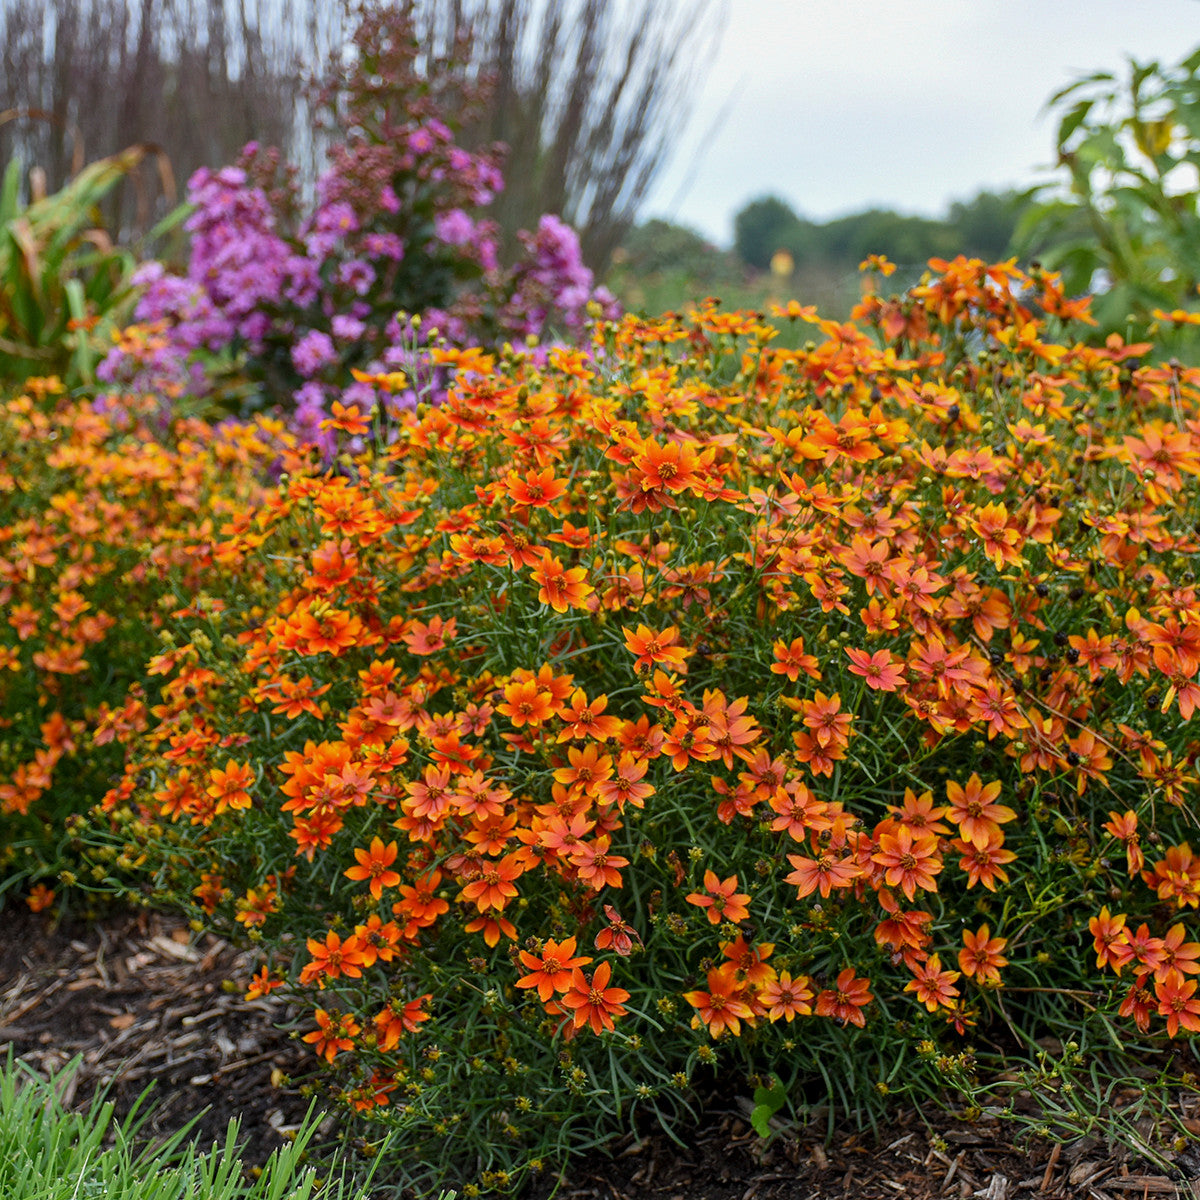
{"x":835,"y":699}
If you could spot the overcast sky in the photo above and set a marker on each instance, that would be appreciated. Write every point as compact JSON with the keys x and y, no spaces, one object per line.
{"x":837,"y":105}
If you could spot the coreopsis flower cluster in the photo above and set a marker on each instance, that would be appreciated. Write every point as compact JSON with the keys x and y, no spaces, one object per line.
{"x":644,"y":702}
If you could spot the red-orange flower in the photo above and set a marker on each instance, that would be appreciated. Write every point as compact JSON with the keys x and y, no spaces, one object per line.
{"x":559,"y":586}
{"x":981,"y":958}
{"x":231,"y":786}
{"x":526,"y":703}
{"x":1177,"y":1001}
{"x":974,"y":811}
{"x":881,"y":670}
{"x":846,"y":1000}
{"x":787,"y":997}
{"x":721,"y":1008}
{"x":909,"y":862}
{"x":584,"y":718}
{"x":375,"y":864}
{"x":333,"y":957}
{"x":593,"y":1001}
{"x":651,"y":647}
{"x":721,"y":898}
{"x":535,"y":489}
{"x":933,"y":986}
{"x":551,"y":970}
{"x":790,"y":660}
{"x":335,"y":1032}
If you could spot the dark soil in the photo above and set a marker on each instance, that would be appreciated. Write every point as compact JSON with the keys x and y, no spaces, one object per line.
{"x":141,"y":999}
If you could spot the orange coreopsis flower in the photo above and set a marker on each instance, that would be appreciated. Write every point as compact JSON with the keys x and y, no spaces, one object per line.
{"x":687,"y":741}
{"x":787,"y":997}
{"x":1178,"y":1002}
{"x":919,"y":814}
{"x":868,"y":560}
{"x":494,"y":888}
{"x":790,"y":660}
{"x":1140,"y":1003}
{"x":825,"y":872}
{"x":1149,"y":951}
{"x":230,"y":786}
{"x":587,"y":768}
{"x":331,"y":958}
{"x":974,"y":811}
{"x":730,"y":730}
{"x":1165,"y":451}
{"x":375,"y":864}
{"x":934,"y":987}
{"x":399,"y":1018}
{"x":429,"y":638}
{"x":909,"y":862}
{"x":721,"y":898}
{"x":262,"y":983}
{"x":981,"y":958}
{"x":879,"y":618}
{"x":335,"y":1032}
{"x":333,"y":564}
{"x":526,"y":702}
{"x":561,"y":587}
{"x":984,"y":864}
{"x":846,"y":1000}
{"x":822,"y":715}
{"x":1000,"y":542}
{"x":323,"y":631}
{"x":749,"y":963}
{"x":1095,"y":652}
{"x":40,"y":898}
{"x":300,"y":696}
{"x":1178,"y":955}
{"x":626,"y":787}
{"x":881,"y":670}
{"x":596,"y":866}
{"x":583,"y":718}
{"x":551,"y":970}
{"x":651,"y":647}
{"x":1089,"y":756}
{"x":379,"y":940}
{"x":492,"y":927}
{"x":1124,"y":827}
{"x":617,"y":935}
{"x":721,"y":1008}
{"x":672,"y":467}
{"x":996,"y":706}
{"x":535,"y":489}
{"x":420,"y":905}
{"x":593,"y":1001}
{"x":799,"y":811}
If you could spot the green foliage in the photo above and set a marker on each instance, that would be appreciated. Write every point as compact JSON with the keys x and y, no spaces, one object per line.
{"x":982,"y":227}
{"x":48,"y":1152}
{"x":63,"y":283}
{"x":1121,"y":214}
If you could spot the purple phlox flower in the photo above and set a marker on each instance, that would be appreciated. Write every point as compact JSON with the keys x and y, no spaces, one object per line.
{"x":454,"y":228}
{"x":312,"y":352}
{"x":356,"y":275}
{"x":347,"y":328}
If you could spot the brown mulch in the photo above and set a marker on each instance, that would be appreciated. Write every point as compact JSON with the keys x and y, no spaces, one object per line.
{"x":141,"y":999}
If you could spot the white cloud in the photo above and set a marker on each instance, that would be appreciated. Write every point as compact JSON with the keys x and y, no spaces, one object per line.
{"x":838,"y":104}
